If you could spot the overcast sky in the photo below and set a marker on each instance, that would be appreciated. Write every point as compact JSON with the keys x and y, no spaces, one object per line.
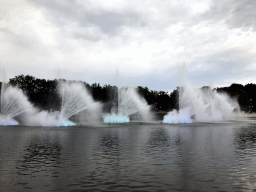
{"x":146,"y":40}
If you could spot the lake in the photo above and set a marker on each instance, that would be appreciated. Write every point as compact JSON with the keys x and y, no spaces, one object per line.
{"x":130,"y":157}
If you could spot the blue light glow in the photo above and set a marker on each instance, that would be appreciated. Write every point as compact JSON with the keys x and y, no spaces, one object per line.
{"x":114,"y":118}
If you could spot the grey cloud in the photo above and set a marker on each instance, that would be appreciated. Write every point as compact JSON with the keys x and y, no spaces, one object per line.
{"x":236,"y":14}
{"x":5,"y":31}
{"x":81,"y":35}
{"x":66,"y":12}
{"x":109,"y":22}
{"x":24,"y":42}
{"x":222,"y":68}
{"x":18,"y":39}
{"x":75,"y":20}
{"x":230,"y":60}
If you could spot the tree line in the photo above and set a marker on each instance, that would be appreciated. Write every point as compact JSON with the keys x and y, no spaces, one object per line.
{"x":44,"y":94}
{"x":245,"y":95}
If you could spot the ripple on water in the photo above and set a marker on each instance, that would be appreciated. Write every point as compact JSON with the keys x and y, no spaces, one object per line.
{"x":206,"y":157}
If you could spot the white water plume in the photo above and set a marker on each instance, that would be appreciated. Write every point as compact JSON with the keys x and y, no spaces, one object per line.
{"x":201,"y":105}
{"x":129,"y":102}
{"x":76,"y":102}
{"x":13,"y":103}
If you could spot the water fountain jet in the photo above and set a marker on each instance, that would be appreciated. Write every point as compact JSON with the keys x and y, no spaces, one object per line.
{"x":75,"y":101}
{"x":128,"y":103}
{"x":12,"y":104}
{"x":201,"y":105}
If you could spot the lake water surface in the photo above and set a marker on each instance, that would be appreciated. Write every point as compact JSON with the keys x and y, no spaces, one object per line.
{"x":129,"y":157}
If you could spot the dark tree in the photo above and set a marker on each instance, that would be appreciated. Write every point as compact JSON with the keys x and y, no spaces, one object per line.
{"x":238,"y":92}
{"x":41,"y":93}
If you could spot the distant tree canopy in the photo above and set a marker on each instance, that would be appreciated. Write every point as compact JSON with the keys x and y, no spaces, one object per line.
{"x":245,"y":95}
{"x":41,"y":93}
{"x":44,"y":94}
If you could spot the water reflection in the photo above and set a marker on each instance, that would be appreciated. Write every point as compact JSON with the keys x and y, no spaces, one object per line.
{"x":158,"y":139}
{"x":109,"y":142}
{"x":133,"y":157}
{"x":246,"y":137}
{"x":38,"y":157}
{"x":39,"y":163}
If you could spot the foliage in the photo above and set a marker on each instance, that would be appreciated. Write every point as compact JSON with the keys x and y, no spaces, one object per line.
{"x":245,"y":95}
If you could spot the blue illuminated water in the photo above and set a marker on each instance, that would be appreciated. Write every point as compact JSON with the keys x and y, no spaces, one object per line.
{"x":115,"y":118}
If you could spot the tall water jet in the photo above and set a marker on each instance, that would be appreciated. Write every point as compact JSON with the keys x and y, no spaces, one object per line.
{"x":75,"y":101}
{"x":201,"y":105}
{"x":12,"y":104}
{"x":127,"y":102}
